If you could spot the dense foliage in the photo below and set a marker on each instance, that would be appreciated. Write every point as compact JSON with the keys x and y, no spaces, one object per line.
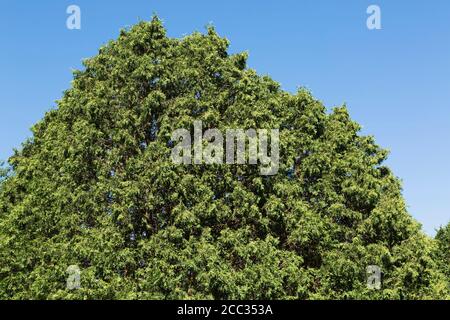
{"x":3,"y":171}
{"x":443,"y":251}
{"x":95,"y":187}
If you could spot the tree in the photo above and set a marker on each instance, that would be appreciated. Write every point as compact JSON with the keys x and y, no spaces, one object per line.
{"x":96,"y":188}
{"x":4,"y":171}
{"x":443,"y":251}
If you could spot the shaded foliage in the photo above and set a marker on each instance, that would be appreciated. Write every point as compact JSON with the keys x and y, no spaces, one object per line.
{"x":443,"y":251}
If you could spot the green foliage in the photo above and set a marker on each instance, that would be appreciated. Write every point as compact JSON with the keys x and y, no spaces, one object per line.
{"x":443,"y":251}
{"x":4,"y":172}
{"x":96,"y":187}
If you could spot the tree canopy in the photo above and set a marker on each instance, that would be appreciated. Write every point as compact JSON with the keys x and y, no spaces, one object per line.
{"x":95,"y":187}
{"x":443,"y":251}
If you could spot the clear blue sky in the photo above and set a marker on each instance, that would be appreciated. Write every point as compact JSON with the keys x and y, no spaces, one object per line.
{"x":395,"y":81}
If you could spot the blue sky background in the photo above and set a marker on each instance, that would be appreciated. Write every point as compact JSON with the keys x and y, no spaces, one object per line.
{"x":395,"y":81}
